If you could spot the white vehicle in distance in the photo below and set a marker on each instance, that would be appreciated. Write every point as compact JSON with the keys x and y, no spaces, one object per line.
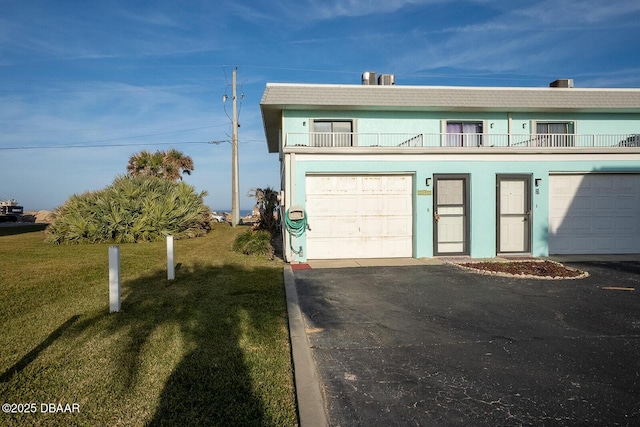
{"x":218,"y":216}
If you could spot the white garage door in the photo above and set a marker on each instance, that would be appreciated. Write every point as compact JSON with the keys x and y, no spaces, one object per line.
{"x":594,"y":214}
{"x":366,"y":216}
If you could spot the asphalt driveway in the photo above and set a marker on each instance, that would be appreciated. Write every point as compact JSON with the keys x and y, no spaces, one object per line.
{"x":435,"y":345}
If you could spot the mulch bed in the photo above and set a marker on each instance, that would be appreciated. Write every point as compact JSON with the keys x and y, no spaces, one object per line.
{"x":542,"y":269}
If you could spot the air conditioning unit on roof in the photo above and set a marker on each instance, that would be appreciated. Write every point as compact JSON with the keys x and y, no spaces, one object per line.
{"x":387,"y":80}
{"x":566,"y":83}
{"x":369,"y":78}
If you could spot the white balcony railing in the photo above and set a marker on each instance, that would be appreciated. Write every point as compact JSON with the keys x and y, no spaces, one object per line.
{"x":353,"y":139}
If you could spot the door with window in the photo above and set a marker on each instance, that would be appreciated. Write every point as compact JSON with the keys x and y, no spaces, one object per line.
{"x":514,"y":213}
{"x":332,"y":133}
{"x":451,"y":215}
{"x":464,"y":134}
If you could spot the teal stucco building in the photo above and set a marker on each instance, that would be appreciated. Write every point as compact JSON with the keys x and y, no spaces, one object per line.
{"x":382,"y":170}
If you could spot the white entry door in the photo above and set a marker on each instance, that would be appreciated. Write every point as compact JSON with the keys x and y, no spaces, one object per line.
{"x":359,"y":216}
{"x":514,"y":214}
{"x":450,"y":215}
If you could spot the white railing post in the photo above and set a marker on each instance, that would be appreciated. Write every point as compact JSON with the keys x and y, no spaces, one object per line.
{"x":114,"y":278}
{"x":171,"y":272}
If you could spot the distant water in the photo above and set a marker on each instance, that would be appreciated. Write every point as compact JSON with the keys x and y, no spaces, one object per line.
{"x":243,"y":212}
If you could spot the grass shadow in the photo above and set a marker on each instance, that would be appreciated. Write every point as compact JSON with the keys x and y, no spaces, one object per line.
{"x":218,"y":311}
{"x":33,"y":354}
{"x":15,"y":229}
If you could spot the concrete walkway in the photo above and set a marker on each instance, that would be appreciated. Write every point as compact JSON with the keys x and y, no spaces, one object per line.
{"x":371,"y":262}
{"x":390,"y":262}
{"x":397,"y":262}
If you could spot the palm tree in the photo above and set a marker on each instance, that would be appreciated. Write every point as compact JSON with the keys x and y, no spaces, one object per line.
{"x":141,"y":164}
{"x":267,"y":203}
{"x":168,"y":165}
{"x":175,"y":164}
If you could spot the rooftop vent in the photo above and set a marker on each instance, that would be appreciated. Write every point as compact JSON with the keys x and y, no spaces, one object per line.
{"x":566,"y":83}
{"x":387,"y":80}
{"x":369,"y":78}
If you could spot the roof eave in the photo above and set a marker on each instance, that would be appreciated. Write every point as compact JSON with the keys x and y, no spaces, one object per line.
{"x":271,"y":121}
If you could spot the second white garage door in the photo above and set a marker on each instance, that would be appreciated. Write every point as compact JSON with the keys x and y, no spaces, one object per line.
{"x":359,"y":216}
{"x":594,"y":214}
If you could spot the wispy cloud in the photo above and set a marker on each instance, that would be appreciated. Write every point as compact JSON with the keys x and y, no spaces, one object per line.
{"x":578,"y":12}
{"x":297,"y":13}
{"x":153,"y":17}
{"x":107,"y":31}
{"x":85,"y":112}
{"x":540,"y":39}
{"x":259,"y":13}
{"x":331,"y":9}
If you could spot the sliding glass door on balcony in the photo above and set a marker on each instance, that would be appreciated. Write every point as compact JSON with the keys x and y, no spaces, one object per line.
{"x":554,"y":134}
{"x":332,"y":133}
{"x":464,"y":134}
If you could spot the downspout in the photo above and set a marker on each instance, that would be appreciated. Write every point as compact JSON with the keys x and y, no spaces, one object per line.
{"x":290,"y":195}
{"x":509,"y":128}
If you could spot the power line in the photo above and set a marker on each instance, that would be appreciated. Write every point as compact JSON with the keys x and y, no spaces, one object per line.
{"x":86,"y":144}
{"x":51,"y":147}
{"x":110,"y":129}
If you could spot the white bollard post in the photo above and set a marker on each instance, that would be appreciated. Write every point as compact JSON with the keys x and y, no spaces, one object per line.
{"x":114,"y":278}
{"x":171,"y":273}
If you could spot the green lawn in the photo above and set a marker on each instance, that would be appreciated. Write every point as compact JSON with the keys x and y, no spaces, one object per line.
{"x":209,"y":348}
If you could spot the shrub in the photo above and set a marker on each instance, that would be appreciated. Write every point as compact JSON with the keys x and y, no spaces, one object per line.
{"x":254,"y":242}
{"x":132,"y":209}
{"x":267,"y":204}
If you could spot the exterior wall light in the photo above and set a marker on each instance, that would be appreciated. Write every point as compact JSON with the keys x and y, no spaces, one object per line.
{"x":538,"y":181}
{"x":428,"y":182}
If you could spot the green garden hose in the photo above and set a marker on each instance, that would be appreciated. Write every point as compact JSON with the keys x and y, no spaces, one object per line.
{"x":296,"y":228}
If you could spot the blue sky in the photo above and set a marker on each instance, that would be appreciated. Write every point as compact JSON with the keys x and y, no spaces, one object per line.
{"x":85,"y":84}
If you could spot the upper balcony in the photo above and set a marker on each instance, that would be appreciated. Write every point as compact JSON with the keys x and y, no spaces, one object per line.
{"x":451,"y":140}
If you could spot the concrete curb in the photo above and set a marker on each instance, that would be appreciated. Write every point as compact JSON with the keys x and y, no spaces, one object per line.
{"x":311,"y":408}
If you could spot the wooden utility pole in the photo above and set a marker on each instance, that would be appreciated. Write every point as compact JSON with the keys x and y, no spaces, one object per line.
{"x":235,"y":187}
